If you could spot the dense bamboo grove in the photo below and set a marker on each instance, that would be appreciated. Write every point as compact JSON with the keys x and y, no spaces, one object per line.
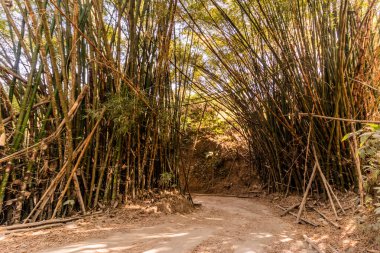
{"x":278,"y":63}
{"x":89,"y":115}
{"x":94,"y":93}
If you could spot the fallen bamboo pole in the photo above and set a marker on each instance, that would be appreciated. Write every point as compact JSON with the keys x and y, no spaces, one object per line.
{"x":301,"y":219}
{"x":33,"y":228}
{"x":327,"y":219}
{"x":290,"y":209}
{"x":39,"y":223}
{"x":312,"y":244}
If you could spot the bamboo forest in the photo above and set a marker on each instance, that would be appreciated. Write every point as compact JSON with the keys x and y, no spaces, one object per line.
{"x":189,"y":126}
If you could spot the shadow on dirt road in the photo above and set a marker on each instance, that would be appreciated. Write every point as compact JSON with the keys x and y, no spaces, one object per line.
{"x":224,"y":224}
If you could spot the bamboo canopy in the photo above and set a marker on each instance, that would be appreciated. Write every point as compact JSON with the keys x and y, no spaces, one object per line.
{"x":294,"y":74}
{"x":94,"y":94}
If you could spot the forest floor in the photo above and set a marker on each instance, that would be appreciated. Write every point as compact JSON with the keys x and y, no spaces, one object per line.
{"x":221,"y":224}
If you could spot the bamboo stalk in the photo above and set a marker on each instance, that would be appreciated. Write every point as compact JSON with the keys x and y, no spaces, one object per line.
{"x":304,"y":198}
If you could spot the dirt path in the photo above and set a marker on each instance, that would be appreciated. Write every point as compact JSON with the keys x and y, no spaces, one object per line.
{"x":223,"y":224}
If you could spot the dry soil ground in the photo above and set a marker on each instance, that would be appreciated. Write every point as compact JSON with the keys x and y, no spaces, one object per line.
{"x":222,"y":224}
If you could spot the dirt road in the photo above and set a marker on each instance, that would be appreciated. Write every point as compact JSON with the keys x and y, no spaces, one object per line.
{"x":223,"y":224}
